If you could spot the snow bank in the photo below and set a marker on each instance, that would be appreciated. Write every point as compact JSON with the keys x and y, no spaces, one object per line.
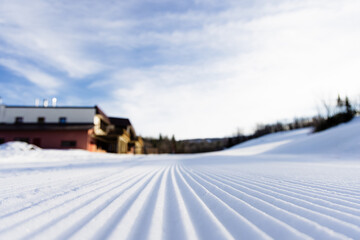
{"x":22,"y":152}
{"x":286,"y":136}
{"x":341,"y":140}
{"x":18,"y":146}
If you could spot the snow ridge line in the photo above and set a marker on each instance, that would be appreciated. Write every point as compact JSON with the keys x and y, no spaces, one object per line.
{"x":330,"y":188}
{"x":204,"y":214}
{"x":56,"y":185}
{"x":176,"y":199}
{"x":302,"y":224}
{"x":149,"y":202}
{"x":350,"y":213}
{"x":84,"y":221}
{"x":334,"y":216}
{"x":319,"y":190}
{"x":331,"y":197}
{"x":57,"y":212}
{"x":259,"y":218}
{"x":125,"y":202}
{"x":187,"y":221}
{"x":318,"y":220}
{"x":132,"y":221}
{"x":39,"y":205}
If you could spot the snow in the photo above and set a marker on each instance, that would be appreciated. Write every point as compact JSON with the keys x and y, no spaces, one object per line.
{"x":17,"y":146}
{"x":288,"y":185}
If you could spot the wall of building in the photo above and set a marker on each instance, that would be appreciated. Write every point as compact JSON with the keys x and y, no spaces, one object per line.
{"x":91,"y":143}
{"x":52,"y":139}
{"x":8,"y":114}
{"x":101,"y":137}
{"x":101,"y":125}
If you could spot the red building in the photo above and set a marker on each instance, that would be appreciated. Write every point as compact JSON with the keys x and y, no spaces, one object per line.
{"x":85,"y":128}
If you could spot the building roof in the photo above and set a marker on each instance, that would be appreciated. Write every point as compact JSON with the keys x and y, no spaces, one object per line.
{"x":123,"y":124}
{"x":99,"y":111}
{"x":51,"y":107}
{"x":120,"y":122}
{"x":46,"y":126}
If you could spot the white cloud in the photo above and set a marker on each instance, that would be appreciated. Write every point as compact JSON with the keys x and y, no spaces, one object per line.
{"x":36,"y":31}
{"x":276,"y":66}
{"x":36,"y":76}
{"x":196,"y":73}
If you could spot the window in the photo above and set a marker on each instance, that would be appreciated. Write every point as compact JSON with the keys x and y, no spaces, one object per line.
{"x":19,"y":120}
{"x":62,"y":120}
{"x":41,"y":120}
{"x":103,"y":126}
{"x":68,"y":144}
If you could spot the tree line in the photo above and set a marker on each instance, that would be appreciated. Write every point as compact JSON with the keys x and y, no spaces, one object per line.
{"x":332,"y":115}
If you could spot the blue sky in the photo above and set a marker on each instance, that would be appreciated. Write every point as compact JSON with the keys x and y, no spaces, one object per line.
{"x":189,"y":68}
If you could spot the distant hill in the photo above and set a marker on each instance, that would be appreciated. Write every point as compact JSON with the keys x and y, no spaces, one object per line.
{"x":343,"y":139}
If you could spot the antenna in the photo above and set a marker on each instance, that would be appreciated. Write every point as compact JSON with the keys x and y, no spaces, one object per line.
{"x":53,"y":101}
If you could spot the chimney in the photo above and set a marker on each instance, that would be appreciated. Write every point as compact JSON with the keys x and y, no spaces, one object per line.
{"x":53,"y":101}
{"x":37,"y":102}
{"x":46,"y":102}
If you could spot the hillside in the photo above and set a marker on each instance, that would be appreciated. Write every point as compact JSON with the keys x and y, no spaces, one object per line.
{"x":288,"y":185}
{"x":341,"y":140}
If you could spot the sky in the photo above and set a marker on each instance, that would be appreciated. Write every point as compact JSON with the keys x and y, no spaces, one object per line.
{"x":192,"y":69}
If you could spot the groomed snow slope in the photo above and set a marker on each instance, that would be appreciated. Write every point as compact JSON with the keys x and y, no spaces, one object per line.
{"x":263,"y":189}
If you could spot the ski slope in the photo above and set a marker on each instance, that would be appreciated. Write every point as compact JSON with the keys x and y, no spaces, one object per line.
{"x":290,"y":185}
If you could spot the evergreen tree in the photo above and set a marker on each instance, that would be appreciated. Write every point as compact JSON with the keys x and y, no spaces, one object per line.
{"x":173,"y":144}
{"x":348,"y":105}
{"x":339,"y":102}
